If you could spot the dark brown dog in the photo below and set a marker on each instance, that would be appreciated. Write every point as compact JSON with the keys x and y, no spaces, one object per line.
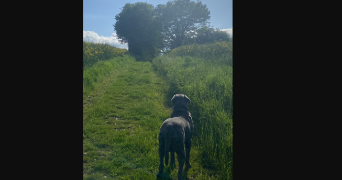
{"x":176,"y":132}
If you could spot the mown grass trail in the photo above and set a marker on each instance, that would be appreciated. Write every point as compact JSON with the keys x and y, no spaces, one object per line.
{"x":122,"y":116}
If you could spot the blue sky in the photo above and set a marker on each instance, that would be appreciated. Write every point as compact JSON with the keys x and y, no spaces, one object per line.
{"x":99,"y":17}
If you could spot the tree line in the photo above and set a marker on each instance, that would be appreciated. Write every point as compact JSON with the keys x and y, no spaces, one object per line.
{"x":150,"y":30}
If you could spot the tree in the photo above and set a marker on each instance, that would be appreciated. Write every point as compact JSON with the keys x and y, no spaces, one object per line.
{"x":206,"y":34}
{"x":178,"y":18}
{"x":221,"y":36}
{"x":137,"y":26}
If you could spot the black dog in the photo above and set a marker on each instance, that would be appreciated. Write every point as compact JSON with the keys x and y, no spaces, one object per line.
{"x":174,"y":133}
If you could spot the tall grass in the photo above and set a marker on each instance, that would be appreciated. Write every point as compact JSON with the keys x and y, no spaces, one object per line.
{"x":204,"y":74}
{"x":102,"y":69}
{"x":218,"y":53}
{"x":94,"y":52}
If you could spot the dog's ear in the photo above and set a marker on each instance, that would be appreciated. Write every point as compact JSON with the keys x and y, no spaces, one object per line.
{"x":173,"y":98}
{"x":172,"y":101}
{"x":187,"y":99}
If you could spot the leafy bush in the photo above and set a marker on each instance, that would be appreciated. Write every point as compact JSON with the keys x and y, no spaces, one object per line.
{"x":218,"y":53}
{"x":94,"y":52}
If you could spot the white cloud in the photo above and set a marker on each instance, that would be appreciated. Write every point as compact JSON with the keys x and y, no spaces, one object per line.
{"x":229,"y":31}
{"x":92,"y":36}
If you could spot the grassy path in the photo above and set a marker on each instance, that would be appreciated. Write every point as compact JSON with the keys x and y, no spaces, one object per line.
{"x":121,"y":121}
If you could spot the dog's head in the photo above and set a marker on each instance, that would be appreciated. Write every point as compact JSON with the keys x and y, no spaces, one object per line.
{"x":180,"y":101}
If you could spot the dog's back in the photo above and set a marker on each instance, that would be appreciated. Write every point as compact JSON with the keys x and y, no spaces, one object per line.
{"x":174,"y":128}
{"x":172,"y":132}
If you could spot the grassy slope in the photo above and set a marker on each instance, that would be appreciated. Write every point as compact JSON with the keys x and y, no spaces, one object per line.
{"x":121,"y":120}
{"x":206,"y":77}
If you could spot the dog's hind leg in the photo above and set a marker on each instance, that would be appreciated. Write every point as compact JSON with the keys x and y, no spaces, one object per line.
{"x":166,"y":157}
{"x":161,"y":154}
{"x":181,"y":158}
{"x":167,"y":147}
{"x":187,"y":155}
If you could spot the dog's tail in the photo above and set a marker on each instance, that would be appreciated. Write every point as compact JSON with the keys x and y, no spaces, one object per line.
{"x":168,"y":138}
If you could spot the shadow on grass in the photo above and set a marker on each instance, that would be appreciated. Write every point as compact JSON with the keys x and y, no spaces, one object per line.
{"x":167,"y":172}
{"x":171,"y":92}
{"x":185,"y":173}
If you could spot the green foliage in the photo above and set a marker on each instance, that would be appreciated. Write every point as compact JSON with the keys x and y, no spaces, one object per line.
{"x":221,"y":36}
{"x":206,"y":35}
{"x":95,"y":52}
{"x":217,"y":53}
{"x":178,"y":17}
{"x":137,"y":26}
{"x":206,"y":78}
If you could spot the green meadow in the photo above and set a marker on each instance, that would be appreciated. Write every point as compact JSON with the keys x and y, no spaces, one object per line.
{"x":125,"y":101}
